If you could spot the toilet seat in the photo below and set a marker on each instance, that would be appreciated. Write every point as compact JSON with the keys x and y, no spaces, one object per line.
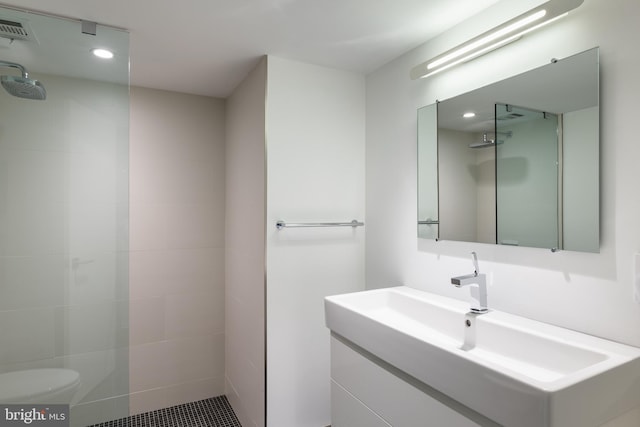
{"x":37,"y":385}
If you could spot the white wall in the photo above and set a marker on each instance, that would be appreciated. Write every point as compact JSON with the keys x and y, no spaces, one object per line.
{"x":245,"y":245}
{"x":582,"y":291}
{"x":315,"y":173}
{"x":177,"y":249}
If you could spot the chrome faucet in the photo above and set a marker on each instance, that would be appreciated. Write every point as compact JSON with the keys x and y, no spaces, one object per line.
{"x":478,"y":284}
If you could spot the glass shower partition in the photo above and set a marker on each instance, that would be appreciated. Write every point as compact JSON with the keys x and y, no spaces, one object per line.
{"x":64,"y":168}
{"x":528,"y":179}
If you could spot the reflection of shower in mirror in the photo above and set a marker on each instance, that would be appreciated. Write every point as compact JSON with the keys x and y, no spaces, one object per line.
{"x":487,"y":142}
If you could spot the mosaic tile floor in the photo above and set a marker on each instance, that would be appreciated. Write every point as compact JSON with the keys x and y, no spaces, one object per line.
{"x":214,"y":412}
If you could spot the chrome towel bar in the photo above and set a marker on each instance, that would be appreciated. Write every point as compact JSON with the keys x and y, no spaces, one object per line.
{"x":429,"y":221}
{"x":281,"y":224}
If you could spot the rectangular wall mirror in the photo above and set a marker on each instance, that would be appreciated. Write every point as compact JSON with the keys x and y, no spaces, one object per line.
{"x":523,"y":168}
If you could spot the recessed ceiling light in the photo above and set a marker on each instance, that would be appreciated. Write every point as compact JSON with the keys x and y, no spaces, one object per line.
{"x":102,"y":53}
{"x":469,"y":115}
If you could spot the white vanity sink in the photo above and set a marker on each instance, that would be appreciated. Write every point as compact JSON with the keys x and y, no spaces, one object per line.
{"x":515,"y":371}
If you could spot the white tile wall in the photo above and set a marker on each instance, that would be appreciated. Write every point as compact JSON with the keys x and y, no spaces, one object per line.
{"x":34,"y":339}
{"x":36,"y":281}
{"x":146,"y":320}
{"x":245,"y":253}
{"x":177,"y":249}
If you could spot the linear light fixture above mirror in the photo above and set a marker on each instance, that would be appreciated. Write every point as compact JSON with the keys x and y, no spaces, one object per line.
{"x":497,"y":37}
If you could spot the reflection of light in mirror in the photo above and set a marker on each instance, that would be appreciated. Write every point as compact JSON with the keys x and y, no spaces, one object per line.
{"x":469,"y":115}
{"x":102,"y":53}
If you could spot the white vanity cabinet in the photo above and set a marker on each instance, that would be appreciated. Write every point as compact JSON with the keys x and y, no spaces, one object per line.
{"x":367,"y":392}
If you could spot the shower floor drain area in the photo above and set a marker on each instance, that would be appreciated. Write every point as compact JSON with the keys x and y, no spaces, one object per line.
{"x":213,"y":412}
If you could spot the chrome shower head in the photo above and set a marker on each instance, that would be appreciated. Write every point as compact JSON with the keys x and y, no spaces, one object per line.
{"x":22,"y":87}
{"x":485,"y":143}
{"x":488,"y":142}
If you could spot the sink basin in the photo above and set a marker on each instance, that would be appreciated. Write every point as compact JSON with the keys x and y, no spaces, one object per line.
{"x":513,"y":370}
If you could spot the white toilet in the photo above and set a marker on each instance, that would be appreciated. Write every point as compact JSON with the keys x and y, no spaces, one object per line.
{"x":39,"y":386}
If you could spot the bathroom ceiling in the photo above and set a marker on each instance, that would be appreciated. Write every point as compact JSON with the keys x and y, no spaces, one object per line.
{"x":207,"y":47}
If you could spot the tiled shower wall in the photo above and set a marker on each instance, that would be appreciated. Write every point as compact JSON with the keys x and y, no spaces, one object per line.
{"x":177,"y":249}
{"x":246,"y":254}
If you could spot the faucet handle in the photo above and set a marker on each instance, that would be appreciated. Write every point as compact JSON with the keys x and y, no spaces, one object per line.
{"x":474,"y":259}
